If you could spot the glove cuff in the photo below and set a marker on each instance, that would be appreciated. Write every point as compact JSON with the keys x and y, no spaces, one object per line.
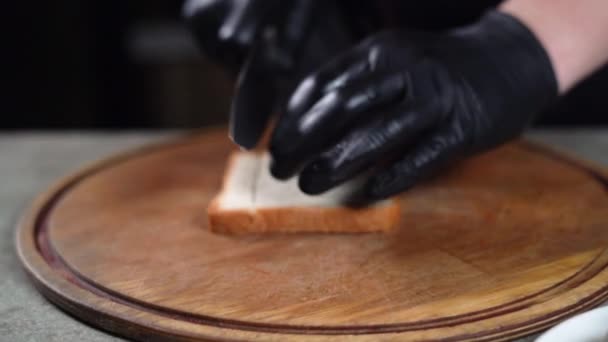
{"x":534,"y":57}
{"x":517,"y":58}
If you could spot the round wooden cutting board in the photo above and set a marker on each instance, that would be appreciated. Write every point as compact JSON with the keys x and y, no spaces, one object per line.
{"x":500,"y":246}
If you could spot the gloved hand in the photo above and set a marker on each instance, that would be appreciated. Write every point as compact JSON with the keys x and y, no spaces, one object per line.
{"x":227,"y":29}
{"x":404,"y":104}
{"x":290,"y":38}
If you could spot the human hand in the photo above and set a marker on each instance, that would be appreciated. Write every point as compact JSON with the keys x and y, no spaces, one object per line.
{"x":276,"y":41}
{"x":405,"y":104}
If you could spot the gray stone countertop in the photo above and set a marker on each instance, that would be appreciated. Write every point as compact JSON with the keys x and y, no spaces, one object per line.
{"x":31,"y":161}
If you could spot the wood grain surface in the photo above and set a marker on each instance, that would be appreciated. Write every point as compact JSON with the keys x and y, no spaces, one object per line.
{"x":498,"y":247}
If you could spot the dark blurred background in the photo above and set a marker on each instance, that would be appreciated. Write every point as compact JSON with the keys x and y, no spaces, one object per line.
{"x":76,"y":64}
{"x":108,"y":65}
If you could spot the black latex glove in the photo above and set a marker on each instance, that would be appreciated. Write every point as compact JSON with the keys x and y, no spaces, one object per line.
{"x":405,"y":104}
{"x":227,"y":29}
{"x":290,"y":37}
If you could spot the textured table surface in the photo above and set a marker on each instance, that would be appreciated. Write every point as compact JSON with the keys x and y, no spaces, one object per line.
{"x":29,"y":162}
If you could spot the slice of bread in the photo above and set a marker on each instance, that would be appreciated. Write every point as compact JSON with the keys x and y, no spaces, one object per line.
{"x":252,"y":201}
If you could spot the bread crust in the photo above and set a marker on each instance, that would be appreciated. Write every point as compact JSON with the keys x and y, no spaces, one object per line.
{"x":381,"y":218}
{"x":295,"y":219}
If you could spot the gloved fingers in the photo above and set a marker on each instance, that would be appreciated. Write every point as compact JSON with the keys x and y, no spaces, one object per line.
{"x":252,"y":107}
{"x":204,"y":18}
{"x":296,"y":138}
{"x":227,"y":29}
{"x":365,"y":147}
{"x":296,"y":26}
{"x":242,"y":26}
{"x":337,"y":73}
{"x":357,"y":64}
{"x":205,"y":14}
{"x":284,"y":33}
{"x":429,"y":155}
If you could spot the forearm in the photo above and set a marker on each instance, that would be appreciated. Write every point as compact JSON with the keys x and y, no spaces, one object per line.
{"x":573,"y":32}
